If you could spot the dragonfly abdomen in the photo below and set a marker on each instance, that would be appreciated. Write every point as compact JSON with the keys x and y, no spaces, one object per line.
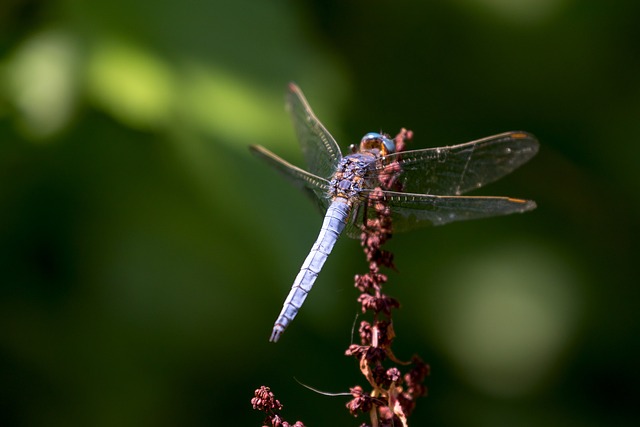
{"x":334,"y":222}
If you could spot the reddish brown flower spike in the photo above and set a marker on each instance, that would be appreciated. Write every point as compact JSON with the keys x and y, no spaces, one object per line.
{"x":265,"y":401}
{"x":356,"y":350}
{"x":365,"y":333}
{"x":361,"y":401}
{"x":393,"y":375}
{"x":376,"y":337}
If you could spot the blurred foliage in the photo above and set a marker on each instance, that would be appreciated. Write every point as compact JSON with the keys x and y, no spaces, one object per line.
{"x":144,"y":254}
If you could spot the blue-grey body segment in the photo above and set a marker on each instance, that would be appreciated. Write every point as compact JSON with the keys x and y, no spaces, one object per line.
{"x":334,"y":222}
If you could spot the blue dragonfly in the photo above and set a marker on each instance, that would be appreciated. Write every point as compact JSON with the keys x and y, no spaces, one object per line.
{"x":429,"y":183}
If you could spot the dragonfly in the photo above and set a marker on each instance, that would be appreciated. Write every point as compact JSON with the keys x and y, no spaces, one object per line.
{"x":428,"y":190}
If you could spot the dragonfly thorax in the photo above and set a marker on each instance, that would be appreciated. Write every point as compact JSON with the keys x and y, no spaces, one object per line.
{"x":349,"y":179}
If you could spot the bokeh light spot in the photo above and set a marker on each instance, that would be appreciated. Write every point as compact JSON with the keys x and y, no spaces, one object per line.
{"x":130,"y":83}
{"x":505,"y":317}
{"x":41,"y":82}
{"x":220,"y":104}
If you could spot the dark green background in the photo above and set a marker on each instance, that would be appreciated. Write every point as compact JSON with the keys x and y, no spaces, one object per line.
{"x":144,"y":253}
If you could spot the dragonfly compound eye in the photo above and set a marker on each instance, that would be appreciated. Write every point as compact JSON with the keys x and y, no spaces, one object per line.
{"x":376,"y":141}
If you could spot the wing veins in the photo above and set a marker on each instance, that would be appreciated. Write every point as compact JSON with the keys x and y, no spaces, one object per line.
{"x":320,"y":149}
{"x":314,"y":186}
{"x":460,"y":168}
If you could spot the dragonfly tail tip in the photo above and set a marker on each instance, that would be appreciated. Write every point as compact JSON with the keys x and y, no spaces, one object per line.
{"x":275,"y":334}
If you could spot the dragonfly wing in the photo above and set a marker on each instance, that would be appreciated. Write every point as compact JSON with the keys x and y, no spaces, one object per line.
{"x":353,"y":228}
{"x":410,"y":211}
{"x":315,"y":187}
{"x":320,"y":150}
{"x":459,"y":168}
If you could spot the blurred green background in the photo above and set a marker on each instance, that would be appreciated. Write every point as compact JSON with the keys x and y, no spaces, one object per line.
{"x":144,"y":253}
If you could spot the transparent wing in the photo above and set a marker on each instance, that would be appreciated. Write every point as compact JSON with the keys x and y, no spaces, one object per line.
{"x":320,"y":150}
{"x":313,"y":186}
{"x":460,"y":168}
{"x":410,"y":211}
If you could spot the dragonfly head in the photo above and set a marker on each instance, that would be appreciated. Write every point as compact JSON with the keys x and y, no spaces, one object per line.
{"x":375,"y":141}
